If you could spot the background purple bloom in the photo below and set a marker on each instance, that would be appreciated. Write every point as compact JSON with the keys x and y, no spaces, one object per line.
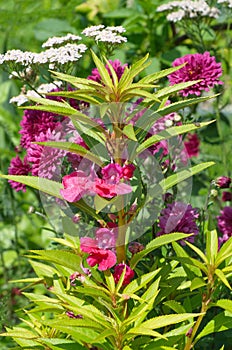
{"x":198,"y":66}
{"x":225,"y":223}
{"x":178,"y":217}
{"x":18,"y":167}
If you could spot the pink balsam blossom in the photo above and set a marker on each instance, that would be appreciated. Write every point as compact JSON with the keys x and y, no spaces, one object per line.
{"x":76,"y":185}
{"x":118,"y":270}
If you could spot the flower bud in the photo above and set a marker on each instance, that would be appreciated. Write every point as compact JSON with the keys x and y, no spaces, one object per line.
{"x":223,"y":182}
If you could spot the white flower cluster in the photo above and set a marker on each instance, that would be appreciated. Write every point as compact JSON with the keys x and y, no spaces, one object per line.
{"x":57,"y":41}
{"x":226,"y":2}
{"x":106,"y":34}
{"x":41,"y":90}
{"x":188,"y":9}
{"x":61,"y":55}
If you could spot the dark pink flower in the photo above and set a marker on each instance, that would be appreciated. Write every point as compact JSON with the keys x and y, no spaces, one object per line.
{"x":118,"y":270}
{"x":104,"y":258}
{"x":192,"y":143}
{"x":108,"y":190}
{"x":179,"y":217}
{"x":117,"y":66}
{"x":18,"y":167}
{"x":76,"y":185}
{"x":112,"y":173}
{"x":128,"y":171}
{"x":226,"y":196}
{"x":198,"y":66}
{"x":223,"y":182}
{"x":225,"y":223}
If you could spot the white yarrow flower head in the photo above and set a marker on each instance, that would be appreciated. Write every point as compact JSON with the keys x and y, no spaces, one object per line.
{"x":188,"y":9}
{"x":58,"y":41}
{"x":19,"y":100}
{"x":106,"y":34}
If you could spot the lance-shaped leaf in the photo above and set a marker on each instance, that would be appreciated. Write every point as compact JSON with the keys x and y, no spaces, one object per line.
{"x":158,"y":75}
{"x":224,"y":252}
{"x":82,"y":94}
{"x":73,"y":148}
{"x":105,"y":77}
{"x":169,"y":90}
{"x":76,"y":81}
{"x":156,"y":243}
{"x":170,"y":132}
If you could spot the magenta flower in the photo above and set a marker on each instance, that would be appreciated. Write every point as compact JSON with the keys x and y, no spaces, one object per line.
{"x":117,"y":66}
{"x":192,"y":143}
{"x":118,"y":270}
{"x":108,"y":190}
{"x":225,"y":223}
{"x":226,"y":196}
{"x":179,"y":217}
{"x":128,"y":171}
{"x":112,"y":173}
{"x":76,"y":185}
{"x":223,"y":182}
{"x":18,"y":167}
{"x":104,"y":258}
{"x":198,"y":66}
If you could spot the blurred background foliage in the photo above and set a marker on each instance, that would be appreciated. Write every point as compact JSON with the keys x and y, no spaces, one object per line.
{"x":25,"y":24}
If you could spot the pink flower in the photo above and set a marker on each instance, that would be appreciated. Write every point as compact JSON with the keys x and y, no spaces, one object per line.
{"x":128,"y":171}
{"x":108,"y":190}
{"x":118,"y":270}
{"x":225,"y":223}
{"x":192,"y":143}
{"x":117,"y":66}
{"x":223,"y":182}
{"x":104,"y":258}
{"x":198,"y":66}
{"x":178,"y":217}
{"x":18,"y":167}
{"x":112,"y":173}
{"x":76,"y":185}
{"x":105,"y":237}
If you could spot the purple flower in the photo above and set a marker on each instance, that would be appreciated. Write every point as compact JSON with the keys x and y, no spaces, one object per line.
{"x":223,"y":182}
{"x":198,"y":66}
{"x":226,"y":196}
{"x":18,"y":167}
{"x":46,"y":161}
{"x":34,"y":123}
{"x":178,"y":217}
{"x":70,"y":314}
{"x":106,"y":238}
{"x":117,"y":66}
{"x":225,"y":223}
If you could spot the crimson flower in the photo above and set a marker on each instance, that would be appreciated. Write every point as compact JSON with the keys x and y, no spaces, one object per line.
{"x":118,"y":270}
{"x":104,"y":258}
{"x":198,"y":66}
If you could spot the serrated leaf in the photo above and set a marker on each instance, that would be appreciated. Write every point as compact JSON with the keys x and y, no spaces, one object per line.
{"x":197,"y":283}
{"x":110,"y":281}
{"x":198,"y":251}
{"x":60,"y":344}
{"x":175,"y":88}
{"x":211,"y":246}
{"x":175,"y":306}
{"x":157,"y":75}
{"x":168,"y":133}
{"x":219,"y":323}
{"x":73,"y":148}
{"x":105,"y":77}
{"x":154,"y":244}
{"x":140,"y":282}
{"x":163,"y":321}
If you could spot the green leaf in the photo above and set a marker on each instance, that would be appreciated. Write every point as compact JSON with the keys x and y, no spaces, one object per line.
{"x":60,"y":344}
{"x":128,"y":130}
{"x":157,"y":75}
{"x":211,"y":246}
{"x":219,"y":323}
{"x":140,"y":282}
{"x":176,"y":106}
{"x":197,"y":283}
{"x":222,"y":277}
{"x":73,"y":148}
{"x":105,"y":77}
{"x":83,"y":95}
{"x":47,"y":186}
{"x":154,"y":244}
{"x":76,"y":81}
{"x":175,"y":306}
{"x":224,"y":252}
{"x":110,"y":281}
{"x":198,"y":251}
{"x":168,"y":133}
{"x":224,"y":304}
{"x":60,"y":257}
{"x":175,"y":88}
{"x":163,"y":321}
